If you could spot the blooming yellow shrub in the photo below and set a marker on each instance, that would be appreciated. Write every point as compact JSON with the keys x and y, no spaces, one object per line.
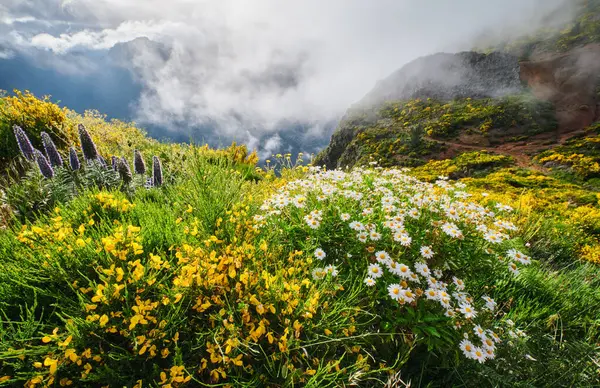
{"x":591,"y":253}
{"x":32,"y":113}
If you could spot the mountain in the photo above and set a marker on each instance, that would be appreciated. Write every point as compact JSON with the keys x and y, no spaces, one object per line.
{"x":519,"y":99}
{"x":445,"y":76}
{"x":104,"y":85}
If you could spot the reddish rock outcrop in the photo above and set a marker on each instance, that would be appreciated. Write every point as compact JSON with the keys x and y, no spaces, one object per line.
{"x":570,"y":82}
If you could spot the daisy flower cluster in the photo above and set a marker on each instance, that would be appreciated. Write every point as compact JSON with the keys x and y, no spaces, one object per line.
{"x":412,"y":240}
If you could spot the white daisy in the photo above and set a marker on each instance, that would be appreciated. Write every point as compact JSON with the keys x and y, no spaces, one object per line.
{"x":512,"y":267}
{"x":414,"y":278}
{"x":431,"y":294}
{"x":426,"y":252}
{"x":493,"y":237}
{"x":488,"y":343}
{"x":382,"y":257}
{"x":370,"y":282}
{"x":395,"y":291}
{"x":405,"y":240}
{"x":460,"y":285}
{"x":479,"y":355}
{"x":490,"y":304}
{"x":467,"y":311}
{"x":311,"y":221}
{"x":358,"y":226}
{"x":467,"y":348}
{"x":320,"y":254}
{"x":451,"y":230}
{"x":404,"y":271}
{"x":331,"y":270}
{"x":422,"y":269}
{"x":299,"y":201}
{"x":394,"y":267}
{"x":408,"y":296}
{"x":478,"y":330}
{"x":375,"y":271}
{"x":375,"y":236}
{"x":318,"y":273}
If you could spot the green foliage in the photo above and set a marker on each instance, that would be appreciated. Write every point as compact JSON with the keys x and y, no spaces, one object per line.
{"x":407,"y":133}
{"x":206,"y":280}
{"x":468,"y":164}
{"x":578,"y":158}
{"x":442,"y":119}
{"x":584,"y":29}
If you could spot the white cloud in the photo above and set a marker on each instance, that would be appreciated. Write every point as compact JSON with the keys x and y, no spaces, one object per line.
{"x":8,"y":20}
{"x":243,"y":67}
{"x":271,"y":146}
{"x":104,"y":39}
{"x":6,"y":54}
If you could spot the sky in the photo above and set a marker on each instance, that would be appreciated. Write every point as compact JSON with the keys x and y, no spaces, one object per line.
{"x":262,"y":72}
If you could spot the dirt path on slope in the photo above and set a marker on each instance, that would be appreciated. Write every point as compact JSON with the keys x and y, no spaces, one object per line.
{"x":519,"y":151}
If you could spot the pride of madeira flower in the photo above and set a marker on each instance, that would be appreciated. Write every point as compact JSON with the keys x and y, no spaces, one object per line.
{"x":24,"y":143}
{"x":157,"y":173}
{"x":139,"y":166}
{"x":44,"y":166}
{"x":73,"y":159}
{"x":51,"y":152}
{"x":88,"y":147}
{"x":124,"y":170}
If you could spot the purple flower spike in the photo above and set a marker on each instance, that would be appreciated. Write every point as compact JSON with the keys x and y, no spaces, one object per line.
{"x":25,"y":146}
{"x":124,"y":170}
{"x":45,"y":167}
{"x":51,"y":151}
{"x":157,"y":175}
{"x":73,"y":159}
{"x":87,"y":144}
{"x":139,"y":166}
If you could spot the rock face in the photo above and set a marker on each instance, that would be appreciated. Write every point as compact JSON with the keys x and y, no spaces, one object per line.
{"x":570,"y":81}
{"x":440,"y":76}
{"x":446,"y":76}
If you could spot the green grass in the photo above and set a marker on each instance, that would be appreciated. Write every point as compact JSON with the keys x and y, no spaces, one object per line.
{"x":208,"y":210}
{"x":207,"y":281}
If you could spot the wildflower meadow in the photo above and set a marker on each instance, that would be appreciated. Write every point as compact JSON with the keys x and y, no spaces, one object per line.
{"x":130,"y":267}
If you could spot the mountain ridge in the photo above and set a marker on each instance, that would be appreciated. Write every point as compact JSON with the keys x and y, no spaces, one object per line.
{"x":559,"y":79}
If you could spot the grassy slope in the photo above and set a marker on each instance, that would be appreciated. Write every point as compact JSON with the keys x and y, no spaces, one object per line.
{"x":408,"y":133}
{"x":202,"y":221}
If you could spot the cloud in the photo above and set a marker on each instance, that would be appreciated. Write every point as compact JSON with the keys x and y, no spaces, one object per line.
{"x":6,"y":53}
{"x":249,"y":71}
{"x":104,"y":39}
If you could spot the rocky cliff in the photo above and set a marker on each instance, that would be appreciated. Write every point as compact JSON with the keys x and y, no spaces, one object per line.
{"x":445,"y":76}
{"x":570,"y":81}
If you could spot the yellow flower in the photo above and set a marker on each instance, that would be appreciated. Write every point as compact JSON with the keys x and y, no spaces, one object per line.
{"x":52,"y":364}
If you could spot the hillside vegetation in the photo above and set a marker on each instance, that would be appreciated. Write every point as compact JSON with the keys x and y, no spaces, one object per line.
{"x":584,"y":29}
{"x":225,"y":274}
{"x":410,"y":132}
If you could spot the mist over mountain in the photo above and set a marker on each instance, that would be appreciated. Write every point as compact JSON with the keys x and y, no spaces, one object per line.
{"x":277,"y":77}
